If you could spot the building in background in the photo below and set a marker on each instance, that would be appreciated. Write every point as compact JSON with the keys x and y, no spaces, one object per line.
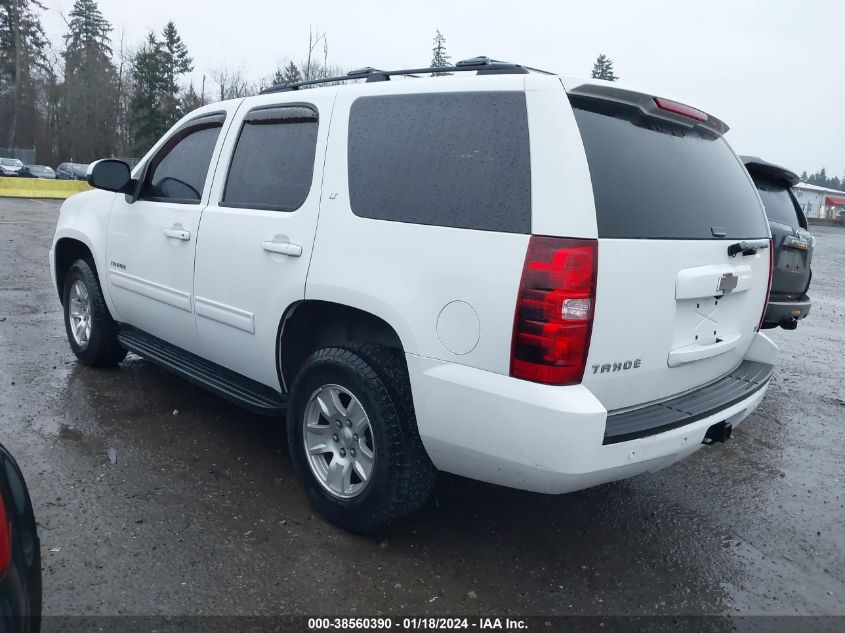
{"x":819,"y":202}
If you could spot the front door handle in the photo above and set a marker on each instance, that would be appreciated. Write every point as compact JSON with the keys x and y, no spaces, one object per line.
{"x":282,"y":248}
{"x":179,"y":234}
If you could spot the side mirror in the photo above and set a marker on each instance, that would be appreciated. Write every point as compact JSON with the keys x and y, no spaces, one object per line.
{"x":110,"y":174}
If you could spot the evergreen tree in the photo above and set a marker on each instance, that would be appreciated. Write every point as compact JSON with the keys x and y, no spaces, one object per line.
{"x":804,"y":176}
{"x":90,"y":89}
{"x":191,"y":99}
{"x":88,"y":31}
{"x":291,"y":74}
{"x":175,"y":62}
{"x":23,"y":48}
{"x":603,"y":68}
{"x":287,"y":74}
{"x":439,"y":58}
{"x":149,"y":77}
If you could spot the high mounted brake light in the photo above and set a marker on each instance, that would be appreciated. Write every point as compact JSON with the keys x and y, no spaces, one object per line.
{"x":679,"y":108}
{"x":554,"y":310}
{"x":5,"y":539}
{"x":609,"y":96}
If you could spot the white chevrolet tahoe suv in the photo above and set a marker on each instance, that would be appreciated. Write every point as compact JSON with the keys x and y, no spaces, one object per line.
{"x":534,"y":281}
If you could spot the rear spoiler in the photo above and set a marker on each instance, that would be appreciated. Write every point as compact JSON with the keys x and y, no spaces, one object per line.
{"x":757,"y":165}
{"x":653,"y":107}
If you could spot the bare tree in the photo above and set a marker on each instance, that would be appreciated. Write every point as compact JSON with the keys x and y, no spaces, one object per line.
{"x":310,"y":65}
{"x":124,"y":94}
{"x":231,"y":84}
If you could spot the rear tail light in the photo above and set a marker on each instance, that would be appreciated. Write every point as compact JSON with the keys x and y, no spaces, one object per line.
{"x":768,"y":285}
{"x":5,"y":539}
{"x":554,"y":310}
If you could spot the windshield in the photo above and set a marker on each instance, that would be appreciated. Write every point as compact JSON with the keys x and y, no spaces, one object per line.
{"x":659,"y":180}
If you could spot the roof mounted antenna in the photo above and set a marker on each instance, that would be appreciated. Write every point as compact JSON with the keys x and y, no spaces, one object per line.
{"x":482,"y":65}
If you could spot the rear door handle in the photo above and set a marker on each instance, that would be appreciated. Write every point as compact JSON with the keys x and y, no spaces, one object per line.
{"x":179,"y":234}
{"x":282,"y":248}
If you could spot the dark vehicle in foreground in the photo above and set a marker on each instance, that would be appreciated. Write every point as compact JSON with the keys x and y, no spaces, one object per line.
{"x":792,"y":242}
{"x":10,"y":166}
{"x":71,"y":171}
{"x":37,"y":171}
{"x":20,"y":553}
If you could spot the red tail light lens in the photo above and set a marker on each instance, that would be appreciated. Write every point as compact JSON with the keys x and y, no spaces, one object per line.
{"x":768,"y":285}
{"x":679,"y":108}
{"x":554,"y":310}
{"x":5,"y":539}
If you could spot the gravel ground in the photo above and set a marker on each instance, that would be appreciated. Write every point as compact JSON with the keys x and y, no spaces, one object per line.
{"x":201,"y":514}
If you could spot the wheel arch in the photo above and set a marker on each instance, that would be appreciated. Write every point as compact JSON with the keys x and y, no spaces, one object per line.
{"x":66,"y":251}
{"x":313,"y":324}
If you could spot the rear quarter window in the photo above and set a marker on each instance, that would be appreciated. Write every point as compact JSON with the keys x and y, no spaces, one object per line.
{"x":658,"y":180}
{"x":448,"y":159}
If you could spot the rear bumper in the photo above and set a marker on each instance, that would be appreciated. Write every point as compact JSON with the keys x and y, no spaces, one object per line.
{"x":786,"y":313}
{"x":524,"y":435}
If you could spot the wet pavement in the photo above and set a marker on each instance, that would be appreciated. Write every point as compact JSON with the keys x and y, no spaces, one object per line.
{"x":200,"y":513}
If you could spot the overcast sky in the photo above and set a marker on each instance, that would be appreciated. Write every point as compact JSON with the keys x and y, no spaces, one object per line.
{"x":774,"y":71}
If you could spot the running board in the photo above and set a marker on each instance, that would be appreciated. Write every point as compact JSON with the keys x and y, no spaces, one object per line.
{"x":230,"y":385}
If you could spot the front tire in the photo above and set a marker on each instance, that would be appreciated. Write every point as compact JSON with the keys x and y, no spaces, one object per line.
{"x":91,"y":331}
{"x":353,"y":437}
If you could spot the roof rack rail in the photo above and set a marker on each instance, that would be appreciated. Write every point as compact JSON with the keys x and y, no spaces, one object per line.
{"x":482,"y":65}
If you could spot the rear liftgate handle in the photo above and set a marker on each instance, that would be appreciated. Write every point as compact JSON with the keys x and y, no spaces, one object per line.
{"x":796,"y":243}
{"x":747,"y":247}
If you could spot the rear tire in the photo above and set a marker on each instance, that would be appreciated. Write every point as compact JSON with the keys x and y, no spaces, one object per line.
{"x":373,"y":396}
{"x":91,"y":331}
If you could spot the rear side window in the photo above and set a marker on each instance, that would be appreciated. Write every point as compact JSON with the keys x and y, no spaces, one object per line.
{"x":777,"y":200}
{"x":655,"y":179}
{"x":455,"y":159}
{"x":273,"y":163}
{"x":177,"y":173}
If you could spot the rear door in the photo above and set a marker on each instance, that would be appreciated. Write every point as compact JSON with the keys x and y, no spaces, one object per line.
{"x":674,"y":310}
{"x":793,"y":244}
{"x":257,"y":233}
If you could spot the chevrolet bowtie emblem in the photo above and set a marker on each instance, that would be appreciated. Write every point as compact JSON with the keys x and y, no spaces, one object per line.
{"x":727,"y":283}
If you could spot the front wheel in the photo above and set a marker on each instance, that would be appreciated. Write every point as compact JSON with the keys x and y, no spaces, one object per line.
{"x":91,"y":331}
{"x":353,"y":437}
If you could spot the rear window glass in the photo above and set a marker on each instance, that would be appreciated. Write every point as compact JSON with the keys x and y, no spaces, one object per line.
{"x":454,"y":159}
{"x":777,"y":201}
{"x":655,"y":179}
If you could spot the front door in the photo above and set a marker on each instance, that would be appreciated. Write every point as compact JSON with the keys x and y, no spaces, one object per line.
{"x":151,"y":240}
{"x":258,"y":230}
